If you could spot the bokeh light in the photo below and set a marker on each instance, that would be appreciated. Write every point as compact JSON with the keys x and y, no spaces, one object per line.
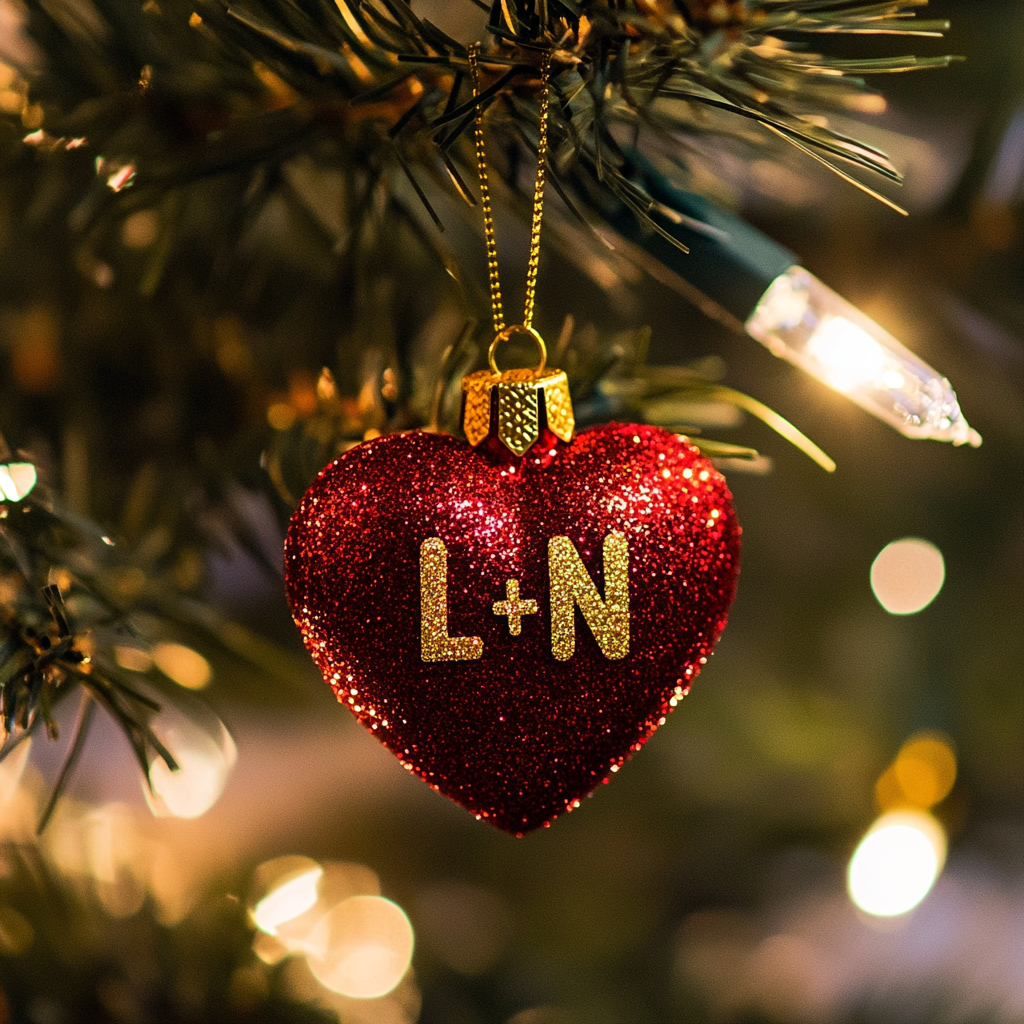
{"x":400,"y":1006}
{"x":358,"y":944}
{"x":922,"y":775}
{"x":334,"y":882}
{"x":16,"y":932}
{"x":205,"y":755}
{"x":363,"y":947}
{"x":114,"y":852}
{"x":926,"y":769}
{"x":105,"y":847}
{"x":907,"y":575}
{"x":186,"y":667}
{"x":140,"y":229}
{"x":173,"y":888}
{"x":115,"y":858}
{"x":286,"y":887}
{"x":16,"y":480}
{"x":12,"y":767}
{"x":133,"y":659}
{"x":896,"y":863}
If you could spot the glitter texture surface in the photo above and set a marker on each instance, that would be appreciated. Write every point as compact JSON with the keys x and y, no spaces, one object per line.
{"x":401,"y":552}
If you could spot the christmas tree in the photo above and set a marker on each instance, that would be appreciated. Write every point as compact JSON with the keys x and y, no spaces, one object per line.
{"x":238,"y":240}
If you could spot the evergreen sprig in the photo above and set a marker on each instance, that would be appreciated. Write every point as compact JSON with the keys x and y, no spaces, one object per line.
{"x":214,"y":112}
{"x":172,"y":92}
{"x":70,"y":597}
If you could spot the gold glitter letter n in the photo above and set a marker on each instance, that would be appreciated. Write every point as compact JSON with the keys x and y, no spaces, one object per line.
{"x":571,"y":585}
{"x":435,"y":643}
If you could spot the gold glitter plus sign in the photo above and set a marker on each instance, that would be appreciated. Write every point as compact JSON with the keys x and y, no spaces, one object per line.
{"x":514,"y":608}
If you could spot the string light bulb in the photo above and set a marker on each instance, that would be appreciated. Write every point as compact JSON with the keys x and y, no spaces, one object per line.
{"x":744,"y":276}
{"x":805,"y":322}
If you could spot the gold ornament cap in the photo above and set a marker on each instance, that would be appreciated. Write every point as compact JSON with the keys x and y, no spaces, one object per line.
{"x":520,"y":395}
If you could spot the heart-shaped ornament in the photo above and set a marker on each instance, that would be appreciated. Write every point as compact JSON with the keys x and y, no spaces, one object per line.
{"x":514,"y":620}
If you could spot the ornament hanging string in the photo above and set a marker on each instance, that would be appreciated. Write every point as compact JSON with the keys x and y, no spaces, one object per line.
{"x":503,"y":331}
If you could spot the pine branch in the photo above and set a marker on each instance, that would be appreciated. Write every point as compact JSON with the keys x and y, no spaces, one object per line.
{"x":63,"y":637}
{"x":277,"y":79}
{"x":179,"y":107}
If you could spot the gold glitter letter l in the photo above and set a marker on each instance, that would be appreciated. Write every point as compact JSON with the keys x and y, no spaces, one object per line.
{"x":571,"y":585}
{"x":435,"y":643}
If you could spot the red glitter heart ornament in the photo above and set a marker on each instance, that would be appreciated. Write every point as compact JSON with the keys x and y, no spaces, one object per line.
{"x":514,"y":628}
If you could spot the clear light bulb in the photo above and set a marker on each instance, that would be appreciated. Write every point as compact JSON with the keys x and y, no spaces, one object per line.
{"x":808,"y":324}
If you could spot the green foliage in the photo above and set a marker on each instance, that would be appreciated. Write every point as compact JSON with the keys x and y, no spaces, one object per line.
{"x":71,"y":600}
{"x":201,"y":112}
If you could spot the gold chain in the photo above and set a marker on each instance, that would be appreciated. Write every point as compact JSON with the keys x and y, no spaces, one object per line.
{"x":485,"y":195}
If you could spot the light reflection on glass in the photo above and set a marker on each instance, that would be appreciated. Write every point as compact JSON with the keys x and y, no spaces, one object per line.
{"x":907,"y":575}
{"x":121,"y":178}
{"x":848,"y":354}
{"x":896,"y":864}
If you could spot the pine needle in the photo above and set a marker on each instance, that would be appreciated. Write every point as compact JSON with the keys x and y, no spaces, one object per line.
{"x":778,"y":423}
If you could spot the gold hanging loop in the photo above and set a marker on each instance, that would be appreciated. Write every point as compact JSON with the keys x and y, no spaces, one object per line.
{"x":505,"y":334}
